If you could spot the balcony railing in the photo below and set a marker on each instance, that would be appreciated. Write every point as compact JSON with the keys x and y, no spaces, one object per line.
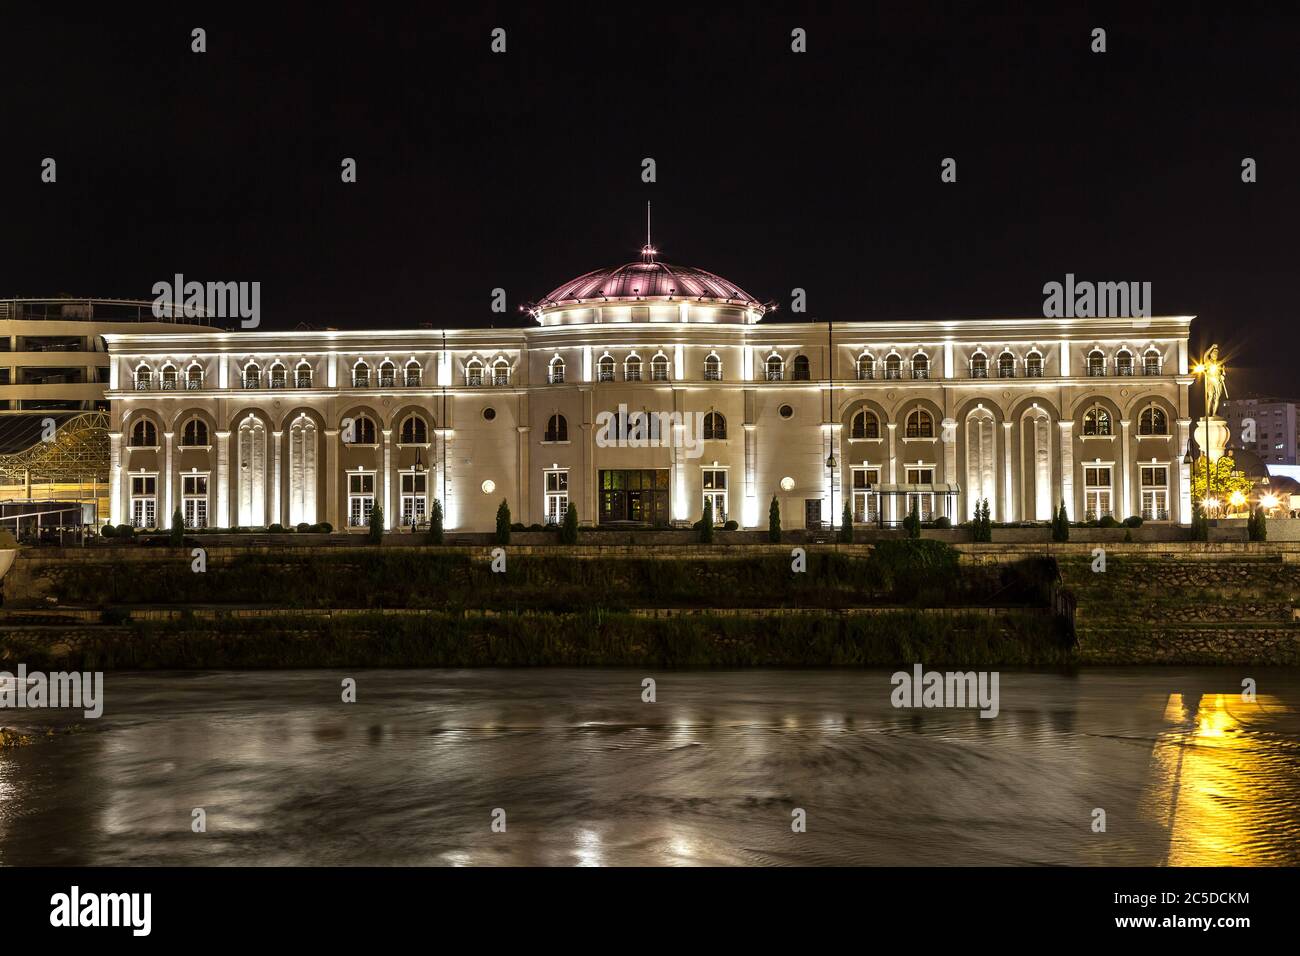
{"x":605,"y":375}
{"x":474,"y":378}
{"x":169,"y":385}
{"x":193,"y":384}
{"x":386,"y":381}
{"x":277,"y":380}
{"x":979,"y":371}
{"x":774,"y":375}
{"x":1124,"y":370}
{"x":922,"y":373}
{"x":659,"y":373}
{"x":412,"y":380}
{"x":1096,"y":371}
{"x":360,"y":381}
{"x":555,"y":376}
{"x":303,"y":380}
{"x":1034,"y":371}
{"x":1006,"y":371}
{"x":1150,"y":369}
{"x":252,"y":381}
{"x":143,"y":384}
{"x":893,"y":373}
{"x":713,"y":375}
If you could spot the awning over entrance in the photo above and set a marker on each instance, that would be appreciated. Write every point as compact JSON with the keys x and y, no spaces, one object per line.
{"x":938,"y":488}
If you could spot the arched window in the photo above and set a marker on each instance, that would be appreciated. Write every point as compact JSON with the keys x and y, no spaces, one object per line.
{"x":1034,"y":365}
{"x":893,"y":365}
{"x":144,"y":434}
{"x":474,"y":373}
{"x":1006,"y":365}
{"x":632,"y":369}
{"x":1124,"y":362}
{"x":415,"y":431}
{"x":143,"y":378}
{"x":713,"y":369}
{"x":605,"y":369}
{"x":865,"y":425}
{"x":557,"y":428}
{"x":800,"y":371}
{"x":361,"y":375}
{"x":1096,"y":421}
{"x":195,"y":433}
{"x":920,"y":424}
{"x":920,"y":365}
{"x":302,"y":374}
{"x":414,"y":372}
{"x":363,"y":431}
{"x":659,"y":368}
{"x":387,"y":374}
{"x":169,"y":378}
{"x":979,"y":365}
{"x":1151,"y":362}
{"x":252,"y":375}
{"x":715,"y":426}
{"x":277,"y":375}
{"x":1096,"y":363}
{"x":555,"y":371}
{"x":1153,"y":421}
{"x":775,"y":368}
{"x":501,"y":372}
{"x":866,"y":367}
{"x":194,"y":377}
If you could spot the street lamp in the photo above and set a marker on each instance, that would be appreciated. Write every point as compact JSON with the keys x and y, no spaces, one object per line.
{"x":1205,"y":369}
{"x":418,"y":468}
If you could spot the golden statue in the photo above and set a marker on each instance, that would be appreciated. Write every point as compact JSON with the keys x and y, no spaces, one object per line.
{"x":1216,"y":375}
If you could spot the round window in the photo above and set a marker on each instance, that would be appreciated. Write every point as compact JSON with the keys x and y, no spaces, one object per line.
{"x":786,"y":411}
{"x":489,"y":413}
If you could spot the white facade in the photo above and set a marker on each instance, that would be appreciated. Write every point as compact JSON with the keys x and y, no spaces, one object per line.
{"x":320,"y":426}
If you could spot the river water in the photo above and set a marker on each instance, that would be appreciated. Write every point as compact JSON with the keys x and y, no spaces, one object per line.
{"x":585,"y":772}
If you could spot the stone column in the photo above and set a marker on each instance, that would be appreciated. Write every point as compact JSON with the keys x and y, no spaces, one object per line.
{"x":328,"y":459}
{"x":1184,"y":473}
{"x":1126,"y":476}
{"x":388,"y":479}
{"x":116,"y":507}
{"x":749,"y":510}
{"x":522,"y":484}
{"x":1067,"y":469}
{"x":893,"y":470}
{"x":168,"y":481}
{"x":276,"y":488}
{"x":223,"y":480}
{"x":1008,"y":488}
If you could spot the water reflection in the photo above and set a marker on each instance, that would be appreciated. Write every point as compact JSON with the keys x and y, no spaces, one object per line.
{"x":590,"y":775}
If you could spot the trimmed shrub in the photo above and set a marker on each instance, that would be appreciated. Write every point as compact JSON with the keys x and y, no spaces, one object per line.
{"x":1257,"y":526}
{"x":706,"y":524}
{"x":846,"y":525}
{"x":125,"y":531}
{"x":1061,"y":525}
{"x":774,"y":521}
{"x":912,"y":523}
{"x":177,"y":536}
{"x":943,"y":521}
{"x":1133,"y":521}
{"x":108,"y":531}
{"x":517,"y":526}
{"x":435,"y":523}
{"x":1200,"y":523}
{"x":1107,"y":521}
{"x":325,"y":527}
{"x":569,"y":526}
{"x":376,"y":524}
{"x":303,"y":527}
{"x":731,"y":526}
{"x":276,"y":528}
{"x":503,"y":523}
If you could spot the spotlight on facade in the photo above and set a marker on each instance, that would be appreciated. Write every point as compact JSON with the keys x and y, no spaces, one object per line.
{"x":787,"y":484}
{"x":489,"y":486}
{"x":1268,"y":502}
{"x":1237,"y":499}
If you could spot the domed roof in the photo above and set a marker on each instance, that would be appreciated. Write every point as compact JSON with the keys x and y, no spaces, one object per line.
{"x":648,"y":279}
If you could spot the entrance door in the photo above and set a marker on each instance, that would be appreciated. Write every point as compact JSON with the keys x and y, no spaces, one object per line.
{"x":634,"y":495}
{"x":812,"y":513}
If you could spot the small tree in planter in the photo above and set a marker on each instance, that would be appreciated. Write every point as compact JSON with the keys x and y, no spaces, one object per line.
{"x":435,"y":523}
{"x":706,"y":524}
{"x":912,"y":523}
{"x":569,"y":526}
{"x":1061,"y":525}
{"x":503,"y":523}
{"x":774,"y":521}
{"x":1256,"y":525}
{"x":377,"y":524}
{"x":846,"y":525}
{"x":177,"y":538}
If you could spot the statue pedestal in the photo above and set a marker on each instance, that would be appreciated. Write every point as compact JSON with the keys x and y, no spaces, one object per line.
{"x":1217,"y":441}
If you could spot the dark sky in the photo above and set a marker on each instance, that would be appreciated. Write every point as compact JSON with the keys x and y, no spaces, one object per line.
{"x":776,"y":170}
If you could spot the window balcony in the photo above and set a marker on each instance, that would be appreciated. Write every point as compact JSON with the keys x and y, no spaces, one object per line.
{"x":474,"y":379}
{"x":1096,"y":371}
{"x":1123,"y":370}
{"x":1006,"y":371}
{"x":919,"y":373}
{"x":1033,"y":371}
{"x":360,"y":381}
{"x":774,"y":375}
{"x":169,"y":385}
{"x":979,"y":371}
{"x":713,"y":375}
{"x":278,"y":381}
{"x":412,"y":380}
{"x":1151,"y":370}
{"x":193,"y":384}
{"x":387,"y":381}
{"x":252,"y":381}
{"x":659,"y":374}
{"x":893,"y":373}
{"x":303,"y":380}
{"x":605,"y":375}
{"x":555,"y":376}
{"x":143,"y":384}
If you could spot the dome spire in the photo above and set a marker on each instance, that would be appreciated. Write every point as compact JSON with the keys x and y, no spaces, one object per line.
{"x":648,"y":251}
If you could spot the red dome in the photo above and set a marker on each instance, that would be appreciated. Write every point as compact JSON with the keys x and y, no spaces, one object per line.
{"x":647,"y":279}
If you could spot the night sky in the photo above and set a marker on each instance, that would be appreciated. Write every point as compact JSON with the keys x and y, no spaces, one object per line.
{"x":775,"y":169}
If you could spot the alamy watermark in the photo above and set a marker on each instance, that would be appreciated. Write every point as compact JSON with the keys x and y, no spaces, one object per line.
{"x":83,"y":690}
{"x":624,"y":429}
{"x":1096,"y":300}
{"x":216,"y":300}
{"x":922,"y":688}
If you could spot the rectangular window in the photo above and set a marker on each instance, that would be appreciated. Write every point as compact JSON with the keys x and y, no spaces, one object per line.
{"x":866,"y":501}
{"x":715,"y":493}
{"x":1155,"y":493}
{"x":361,"y":498}
{"x":415,"y":498}
{"x":557,"y":495}
{"x":1096,"y":492}
{"x":194,"y":500}
{"x":923,"y":501}
{"x":144,"y":501}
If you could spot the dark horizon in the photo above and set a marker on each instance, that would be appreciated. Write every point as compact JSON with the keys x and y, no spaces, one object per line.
{"x":775,"y":170}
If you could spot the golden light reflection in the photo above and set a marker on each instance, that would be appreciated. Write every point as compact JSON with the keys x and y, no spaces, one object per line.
{"x":1211,"y":780}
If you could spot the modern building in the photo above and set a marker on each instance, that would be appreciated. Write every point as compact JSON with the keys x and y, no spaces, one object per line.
{"x":1269,"y":427}
{"x":53,"y":407}
{"x":641,"y":392}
